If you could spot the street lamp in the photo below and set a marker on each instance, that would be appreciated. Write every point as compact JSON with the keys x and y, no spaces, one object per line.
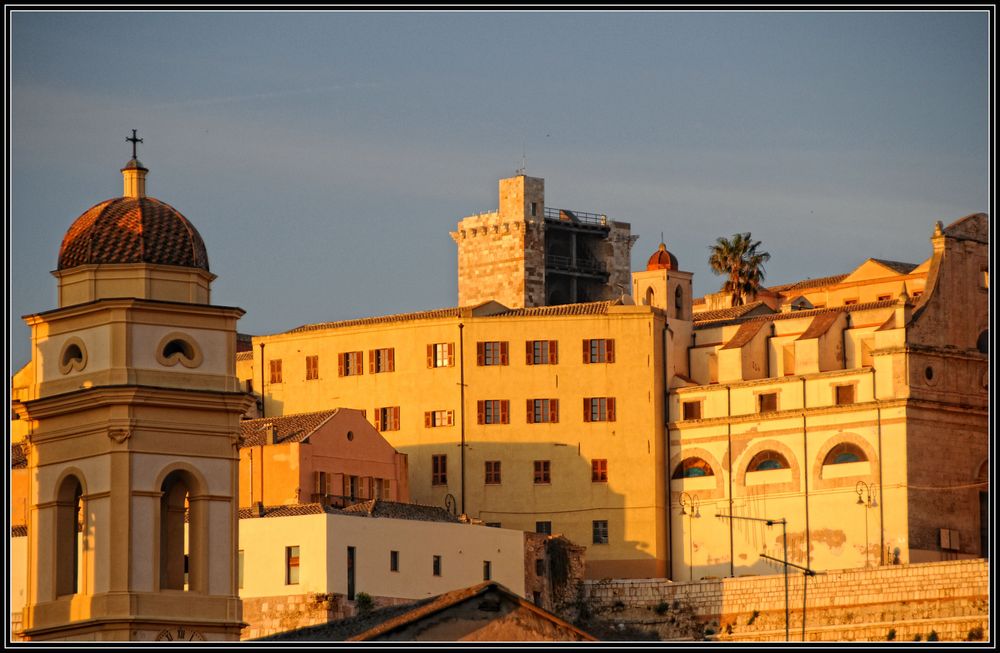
{"x":866,"y":498}
{"x":689,"y":506}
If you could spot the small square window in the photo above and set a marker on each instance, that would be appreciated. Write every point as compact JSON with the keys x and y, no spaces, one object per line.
{"x":767,"y":402}
{"x":493,"y":352}
{"x":382,"y":360}
{"x":844,"y":394}
{"x":276,"y":371}
{"x":544,"y":527}
{"x":349,"y":363}
{"x":692,"y":409}
{"x":312,"y":368}
{"x":599,"y":350}
{"x":492,"y":472}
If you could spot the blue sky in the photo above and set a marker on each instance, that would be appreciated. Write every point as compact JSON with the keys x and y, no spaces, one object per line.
{"x":325,"y":156}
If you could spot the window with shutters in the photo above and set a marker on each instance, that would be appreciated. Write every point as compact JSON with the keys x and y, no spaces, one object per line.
{"x":381,"y":360}
{"x":542,"y":410}
{"x":493,"y":411}
{"x":599,"y":351}
{"x":387,"y":418}
{"x":312,"y":368}
{"x":543,"y":471}
{"x":322,"y":485}
{"x":599,"y":470}
{"x":492,"y":353}
{"x":441,"y":354}
{"x":600,"y":531}
{"x":276,"y":371}
{"x":439,"y":469}
{"x":541,"y":352}
{"x":434,"y":418}
{"x":599,"y":409}
{"x":349,"y":363}
{"x":492,"y":472}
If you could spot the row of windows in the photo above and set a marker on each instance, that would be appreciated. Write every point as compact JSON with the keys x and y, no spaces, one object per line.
{"x":497,"y":411}
{"x":767,"y":402}
{"x":293,"y":565}
{"x":845,"y":452}
{"x":353,"y":487}
{"x":542,"y":471}
{"x":488,"y":353}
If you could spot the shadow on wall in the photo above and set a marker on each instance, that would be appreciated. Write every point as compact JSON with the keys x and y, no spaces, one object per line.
{"x":551,"y":487}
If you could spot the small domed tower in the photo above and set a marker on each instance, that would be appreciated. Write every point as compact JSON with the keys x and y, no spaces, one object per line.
{"x":664,"y":286}
{"x":134,"y":417}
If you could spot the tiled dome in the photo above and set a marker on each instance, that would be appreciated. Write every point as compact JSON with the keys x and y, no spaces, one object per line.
{"x":662,"y":260}
{"x":133,"y":230}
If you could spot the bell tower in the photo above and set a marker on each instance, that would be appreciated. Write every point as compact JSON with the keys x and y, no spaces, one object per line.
{"x":132,"y":451}
{"x":662,"y":285}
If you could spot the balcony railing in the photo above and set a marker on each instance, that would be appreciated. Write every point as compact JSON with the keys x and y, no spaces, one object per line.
{"x":587,"y":265}
{"x":578,"y":217}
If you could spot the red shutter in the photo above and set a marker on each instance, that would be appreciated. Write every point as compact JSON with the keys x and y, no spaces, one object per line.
{"x":611,"y":350}
{"x":528,"y":352}
{"x":451,"y":354}
{"x":430,"y":355}
{"x":553,"y":410}
{"x":480,"y":412}
{"x":427,"y":419}
{"x":347,"y":486}
{"x":611,"y":409}
{"x":586,"y":351}
{"x":371,"y":361}
{"x":503,"y":353}
{"x":317,"y":478}
{"x":392,"y":360}
{"x":395,"y":417}
{"x":450,"y":418}
{"x":359,"y":361}
{"x":553,"y":351}
{"x":531,"y":411}
{"x":340,"y":365}
{"x":480,"y":355}
{"x":586,"y":409}
{"x":504,"y":411}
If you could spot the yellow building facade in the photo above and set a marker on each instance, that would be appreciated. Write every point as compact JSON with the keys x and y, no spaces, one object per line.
{"x":596,"y":420}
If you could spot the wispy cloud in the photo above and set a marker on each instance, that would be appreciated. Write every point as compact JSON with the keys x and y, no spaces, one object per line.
{"x":269,"y":95}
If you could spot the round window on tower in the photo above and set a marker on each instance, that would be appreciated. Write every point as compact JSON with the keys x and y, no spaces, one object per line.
{"x":180,"y":348}
{"x":73,"y":357}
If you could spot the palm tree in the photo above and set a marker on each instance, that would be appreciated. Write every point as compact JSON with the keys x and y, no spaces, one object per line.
{"x":742,"y":264}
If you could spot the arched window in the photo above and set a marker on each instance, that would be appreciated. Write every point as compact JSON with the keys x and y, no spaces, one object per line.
{"x":983,"y":343}
{"x":678,"y":299}
{"x":181,"y":568}
{"x":845,"y":452}
{"x":693,"y":467}
{"x":649,"y":296}
{"x":70,"y":519}
{"x":766,"y":461}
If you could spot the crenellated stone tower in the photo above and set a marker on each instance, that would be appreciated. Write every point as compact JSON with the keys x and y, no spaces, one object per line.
{"x":134,"y":415}
{"x":526,"y":254}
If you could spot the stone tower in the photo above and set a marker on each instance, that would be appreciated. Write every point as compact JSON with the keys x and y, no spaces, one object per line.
{"x":134,"y":415}
{"x":526,"y":254}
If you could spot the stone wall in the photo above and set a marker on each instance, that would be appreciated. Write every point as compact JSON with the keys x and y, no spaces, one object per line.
{"x":562,"y":566}
{"x":895,"y":602}
{"x":267,"y":615}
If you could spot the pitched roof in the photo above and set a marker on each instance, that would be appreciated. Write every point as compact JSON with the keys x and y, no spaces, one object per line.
{"x":291,"y":428}
{"x":820,"y":325}
{"x":290,"y":510}
{"x":809,"y":283}
{"x":745,"y":334}
{"x":19,"y":530}
{"x":397,"y":510}
{"x":849,"y":308}
{"x":728,"y":313}
{"x":384,"y":319}
{"x":244,"y":355}
{"x":897,"y":266}
{"x":18,"y":455}
{"x":585,"y":308}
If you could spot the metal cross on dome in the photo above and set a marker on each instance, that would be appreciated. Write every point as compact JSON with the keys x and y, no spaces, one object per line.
{"x":133,"y":141}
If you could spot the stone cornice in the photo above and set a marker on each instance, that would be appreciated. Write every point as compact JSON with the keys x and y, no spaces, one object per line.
{"x":89,"y":398}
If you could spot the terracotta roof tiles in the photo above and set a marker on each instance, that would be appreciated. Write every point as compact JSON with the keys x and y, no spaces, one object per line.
{"x":397,"y":510}
{"x":19,"y":530}
{"x":727,"y":313}
{"x":133,"y":230}
{"x":585,"y":308}
{"x":290,"y":510}
{"x":850,"y":308}
{"x":291,"y":428}
{"x":384,"y":319}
